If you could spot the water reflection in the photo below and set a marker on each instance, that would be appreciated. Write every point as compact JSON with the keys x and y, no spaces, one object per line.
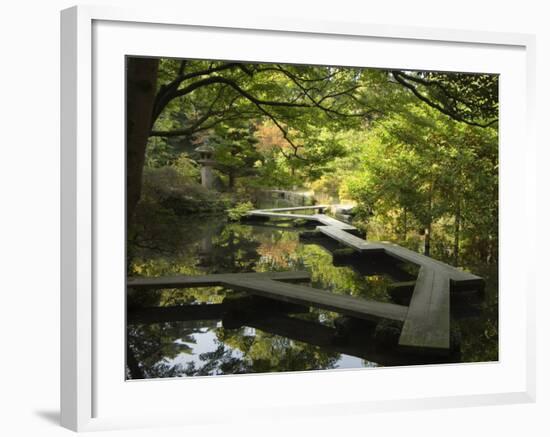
{"x":212,"y":331}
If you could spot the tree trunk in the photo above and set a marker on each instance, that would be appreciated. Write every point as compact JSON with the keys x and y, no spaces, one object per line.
{"x":405,"y":224}
{"x":456,"y":247}
{"x":141,"y":84}
{"x":427,"y":239}
{"x":428,"y":235}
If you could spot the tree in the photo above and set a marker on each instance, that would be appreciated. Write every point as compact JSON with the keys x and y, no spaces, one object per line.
{"x":196,"y":96}
{"x":465,"y":97}
{"x":428,"y":169}
{"x":141,"y":82}
{"x":235,"y":150}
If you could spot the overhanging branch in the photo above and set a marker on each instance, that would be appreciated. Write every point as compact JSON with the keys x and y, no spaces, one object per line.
{"x":398,"y":76}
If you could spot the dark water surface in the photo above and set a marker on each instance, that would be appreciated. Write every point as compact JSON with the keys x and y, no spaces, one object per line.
{"x":256,"y":338}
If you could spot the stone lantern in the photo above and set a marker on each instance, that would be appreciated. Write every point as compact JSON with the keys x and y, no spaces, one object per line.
{"x":205,"y":160}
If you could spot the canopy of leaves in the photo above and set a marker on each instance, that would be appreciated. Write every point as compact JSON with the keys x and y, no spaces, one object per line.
{"x":415,"y":152}
{"x":465,"y":97}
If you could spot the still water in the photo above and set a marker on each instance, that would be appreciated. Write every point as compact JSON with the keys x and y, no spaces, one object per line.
{"x":213,"y":331}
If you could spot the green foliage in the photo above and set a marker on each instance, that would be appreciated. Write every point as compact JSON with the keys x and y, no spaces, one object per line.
{"x":423,"y":171}
{"x":235,"y":151}
{"x":159,"y":153}
{"x":471,"y":98}
{"x":405,"y":148}
{"x":239,"y":210}
{"x":186,"y":167}
{"x":226,"y":101}
{"x":172,"y":188}
{"x":196,"y":246}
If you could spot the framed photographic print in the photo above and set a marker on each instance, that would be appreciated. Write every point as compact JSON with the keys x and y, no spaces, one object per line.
{"x":287,"y":218}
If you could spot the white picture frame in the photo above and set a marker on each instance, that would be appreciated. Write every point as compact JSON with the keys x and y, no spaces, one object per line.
{"x":92,"y":42}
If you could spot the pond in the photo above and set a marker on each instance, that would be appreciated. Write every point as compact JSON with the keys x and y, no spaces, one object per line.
{"x":215,"y":331}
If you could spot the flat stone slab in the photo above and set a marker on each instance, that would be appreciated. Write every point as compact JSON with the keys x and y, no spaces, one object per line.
{"x":319,"y":218}
{"x":427,"y":322}
{"x":212,"y":280}
{"x":275,"y":285}
{"x":313,"y":297}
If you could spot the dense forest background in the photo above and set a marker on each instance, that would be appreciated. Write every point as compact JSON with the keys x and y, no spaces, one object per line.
{"x":415,"y":152}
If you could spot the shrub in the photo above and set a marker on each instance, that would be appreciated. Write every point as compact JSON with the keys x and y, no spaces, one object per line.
{"x":239,"y":210}
{"x":186,"y":167}
{"x":171,"y":189}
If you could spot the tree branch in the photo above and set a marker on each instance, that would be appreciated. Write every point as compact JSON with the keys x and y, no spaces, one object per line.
{"x":317,"y":103}
{"x":398,"y":77}
{"x":164,"y":95}
{"x":196,"y":125}
{"x":285,"y":135}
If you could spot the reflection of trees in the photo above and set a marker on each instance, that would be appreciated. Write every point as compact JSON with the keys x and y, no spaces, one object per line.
{"x":273,"y":353}
{"x":480,"y":333}
{"x":262,"y":353}
{"x":236,"y":247}
{"x":278,"y":250}
{"x":158,"y":235}
{"x":234,"y":250}
{"x":267,"y":340}
{"x":278,"y":253}
{"x":283,"y":252}
{"x":150,"y":347}
{"x":236,"y":352}
{"x":218,"y":362}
